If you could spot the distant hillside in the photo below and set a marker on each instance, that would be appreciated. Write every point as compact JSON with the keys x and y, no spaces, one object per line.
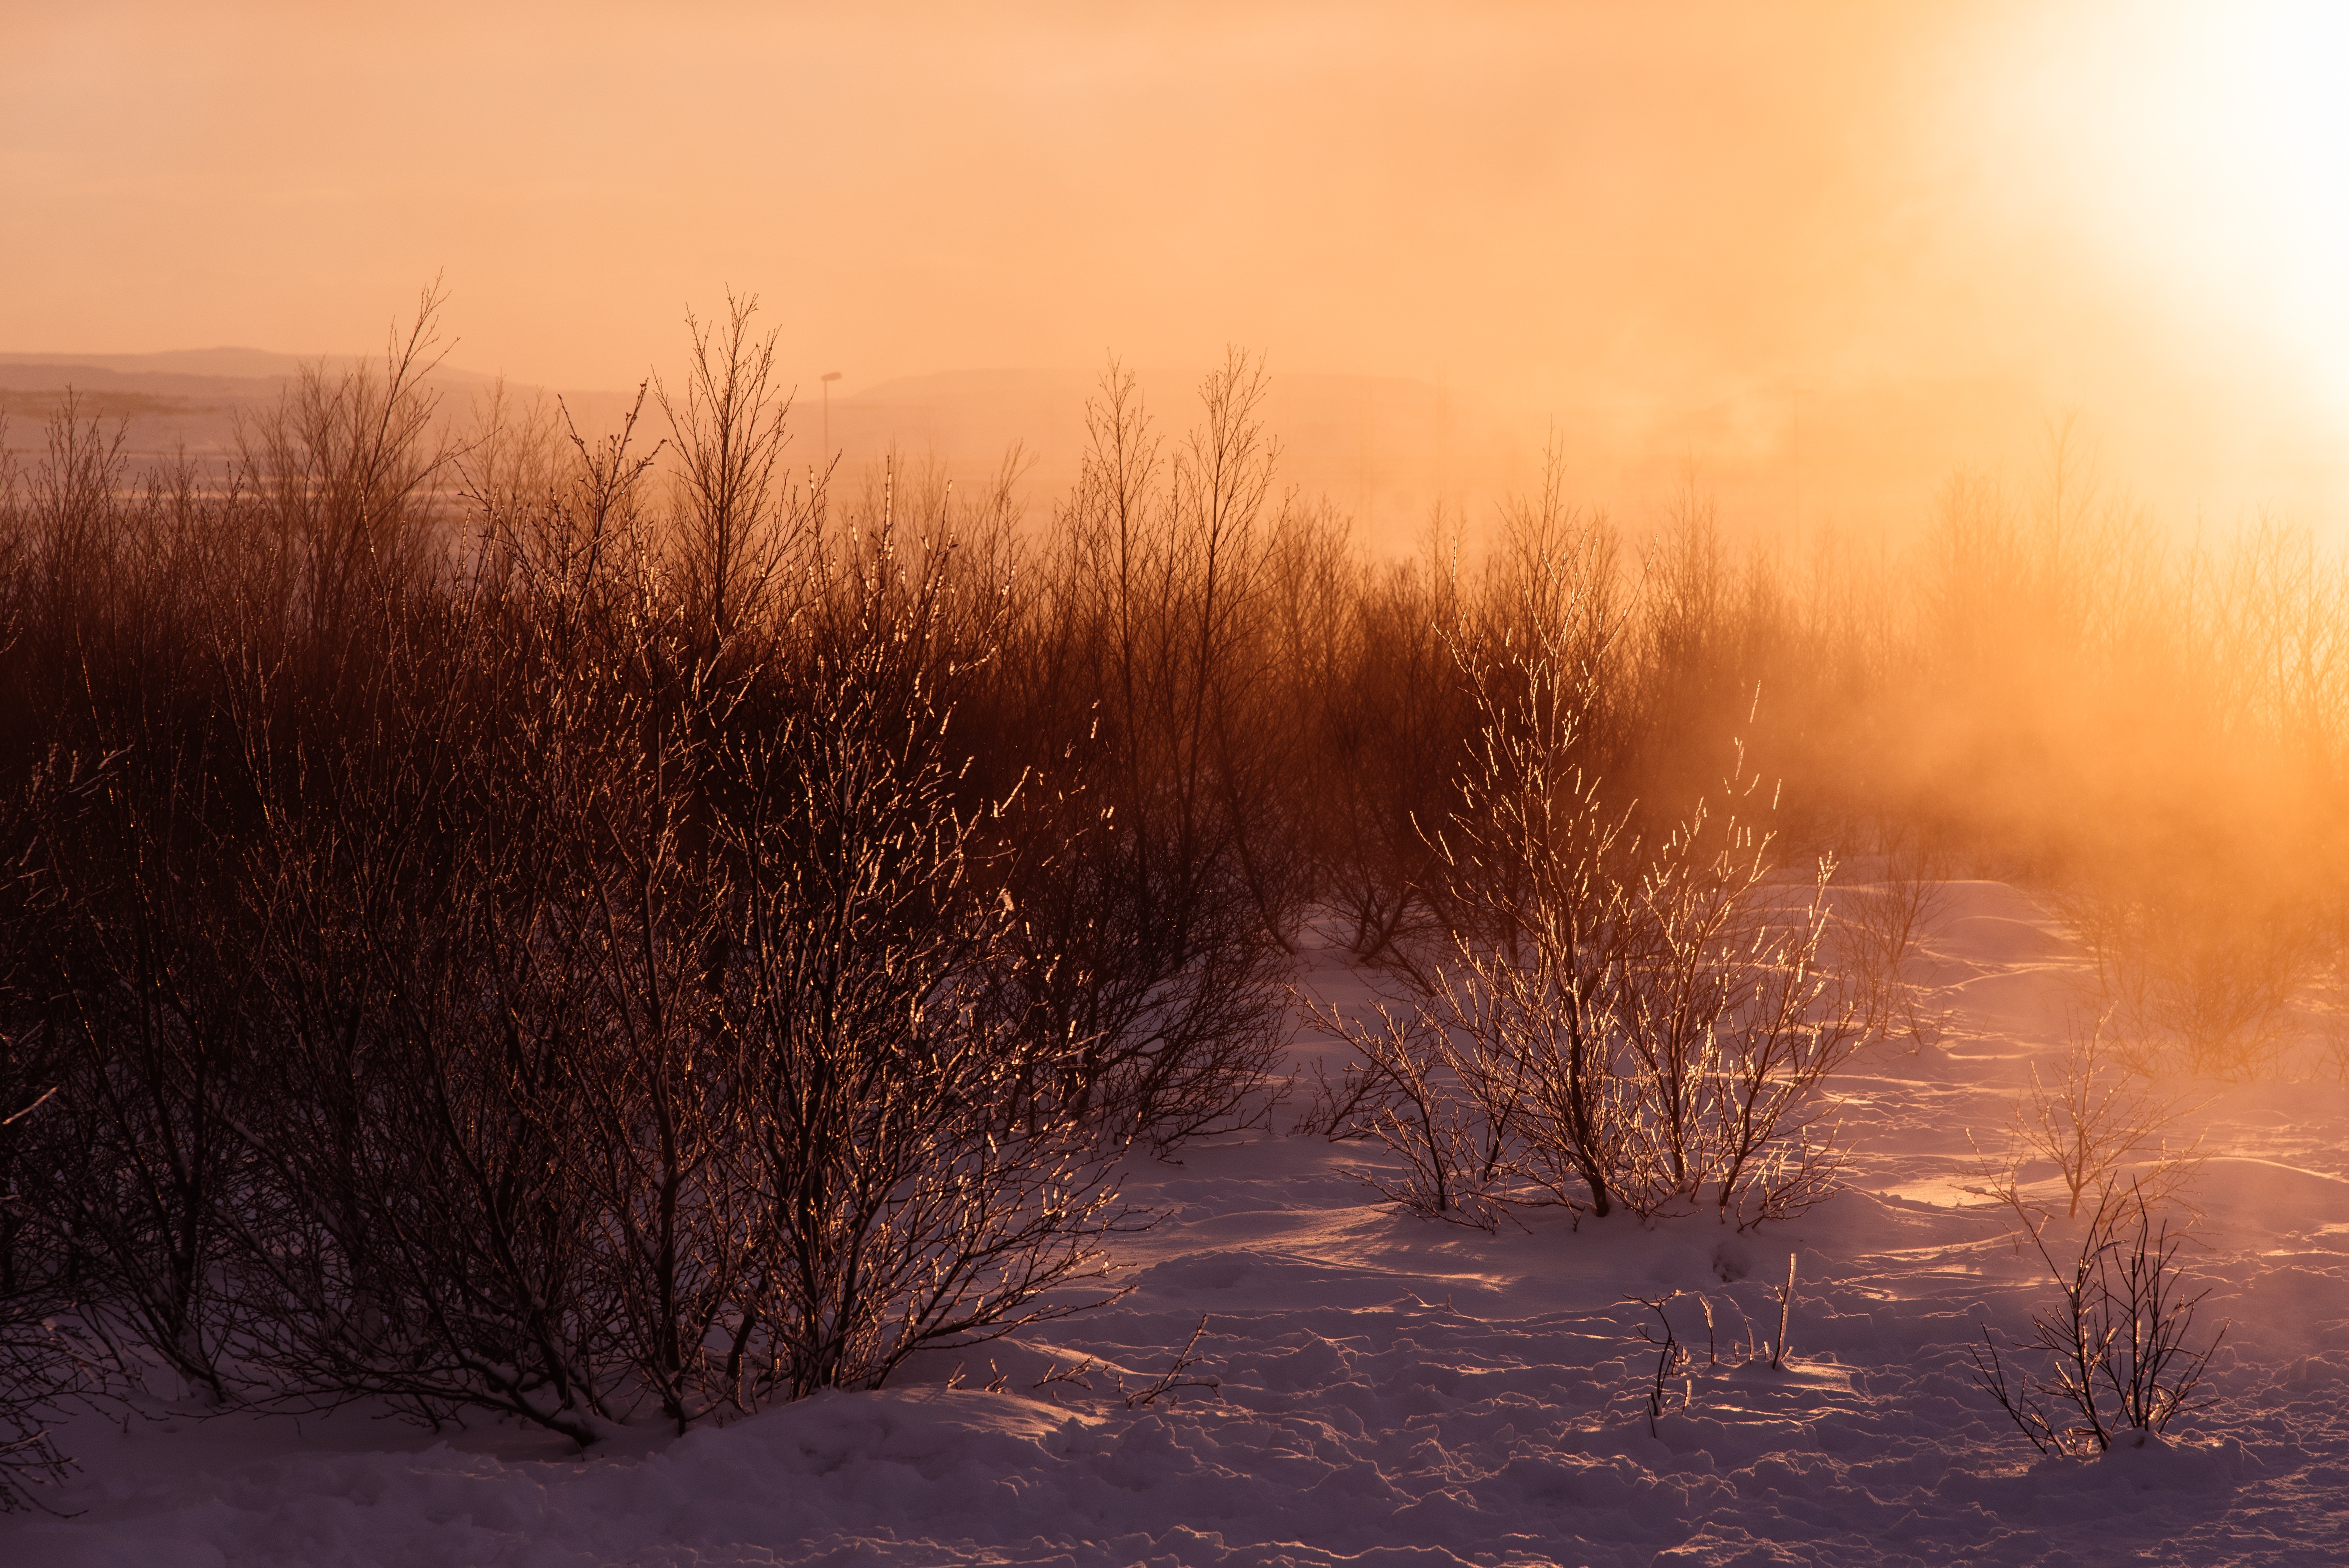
{"x":187,"y":399}
{"x":204,"y":363}
{"x":1383,"y":451}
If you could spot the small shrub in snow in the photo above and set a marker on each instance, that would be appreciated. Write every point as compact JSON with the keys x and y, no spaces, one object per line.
{"x":1673,"y":1357}
{"x":2120,"y":1361}
{"x":2097,"y":1120}
{"x":1676,"y":1360}
{"x":1786,"y":1297}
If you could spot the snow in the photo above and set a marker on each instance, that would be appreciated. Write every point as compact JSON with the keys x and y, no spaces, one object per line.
{"x":1399,"y":1392}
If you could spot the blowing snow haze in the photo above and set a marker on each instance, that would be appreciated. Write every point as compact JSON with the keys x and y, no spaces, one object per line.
{"x":1818,"y":258}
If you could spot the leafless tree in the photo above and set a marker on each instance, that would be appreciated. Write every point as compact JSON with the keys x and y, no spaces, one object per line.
{"x":738,"y":516}
{"x":1168,"y":909}
{"x":341,"y":472}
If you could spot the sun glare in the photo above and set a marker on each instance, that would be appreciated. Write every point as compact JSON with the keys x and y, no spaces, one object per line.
{"x":2205,"y":149}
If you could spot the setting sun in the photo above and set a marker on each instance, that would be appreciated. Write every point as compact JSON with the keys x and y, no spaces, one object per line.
{"x":2202,"y":151}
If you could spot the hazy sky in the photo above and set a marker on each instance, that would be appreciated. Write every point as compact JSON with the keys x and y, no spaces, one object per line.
{"x":1618,"y":214}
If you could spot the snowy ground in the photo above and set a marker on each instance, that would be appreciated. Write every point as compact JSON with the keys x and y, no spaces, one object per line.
{"x":1400,"y":1392}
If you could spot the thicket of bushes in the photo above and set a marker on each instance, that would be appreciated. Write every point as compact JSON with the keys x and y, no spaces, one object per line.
{"x":574,"y":927}
{"x":1599,"y":1020}
{"x":542,"y":954}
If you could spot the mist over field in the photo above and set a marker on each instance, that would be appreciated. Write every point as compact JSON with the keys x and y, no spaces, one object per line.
{"x":1915,"y":235}
{"x":1230,"y":785}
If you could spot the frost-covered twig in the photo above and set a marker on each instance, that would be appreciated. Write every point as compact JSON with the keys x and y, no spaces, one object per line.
{"x":1785,"y":1295}
{"x":1172,"y":1378}
{"x":1073,"y":1374}
{"x":1671,"y":1357}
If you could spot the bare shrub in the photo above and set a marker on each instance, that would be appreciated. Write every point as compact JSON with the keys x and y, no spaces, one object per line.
{"x":1879,"y":927}
{"x":1602,"y":1026}
{"x":1381,"y":725}
{"x":917,"y":1177}
{"x":612,"y":758}
{"x":339,"y":479}
{"x":133,"y":966}
{"x":2098,"y":1120}
{"x":1168,"y":1385}
{"x":1675,"y":1358}
{"x":2198,"y":976}
{"x":2120,"y":1362}
{"x":2333,"y":1051}
{"x":1406,"y":1089}
{"x":141,"y":976}
{"x":664,"y":1102}
{"x":453,"y":901}
{"x":633,"y":1050}
{"x":1785,"y":1295}
{"x":421,"y":1230}
{"x":124,"y":962}
{"x":38,"y":1374}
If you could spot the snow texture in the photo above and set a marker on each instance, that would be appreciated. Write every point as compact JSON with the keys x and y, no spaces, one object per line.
{"x":1396,"y":1392}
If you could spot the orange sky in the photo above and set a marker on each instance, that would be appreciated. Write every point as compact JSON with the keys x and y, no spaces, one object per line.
{"x":1657,"y":224}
